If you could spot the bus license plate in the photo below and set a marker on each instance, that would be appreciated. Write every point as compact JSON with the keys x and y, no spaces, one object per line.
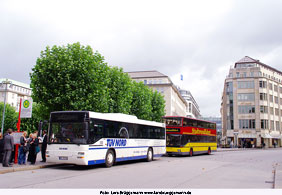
{"x":63,"y":158}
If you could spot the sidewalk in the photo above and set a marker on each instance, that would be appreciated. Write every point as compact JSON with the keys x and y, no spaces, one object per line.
{"x":278,"y":177}
{"x":28,"y":166}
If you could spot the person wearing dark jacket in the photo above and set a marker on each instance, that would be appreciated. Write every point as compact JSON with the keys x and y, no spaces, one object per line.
{"x":8,"y":147}
{"x":44,"y":146}
{"x":34,"y":142}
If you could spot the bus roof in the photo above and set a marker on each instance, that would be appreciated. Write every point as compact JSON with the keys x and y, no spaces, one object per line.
{"x":188,"y":118}
{"x":119,"y":117}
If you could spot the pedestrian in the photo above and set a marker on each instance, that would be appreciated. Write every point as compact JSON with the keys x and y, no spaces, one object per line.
{"x":44,"y":146}
{"x":32,"y":150}
{"x":1,"y":147}
{"x":12,"y":158}
{"x":23,"y":149}
{"x":8,"y":148}
{"x":28,"y":146}
{"x":231,"y":144}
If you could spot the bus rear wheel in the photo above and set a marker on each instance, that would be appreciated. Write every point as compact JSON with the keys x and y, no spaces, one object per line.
{"x":150,"y":154}
{"x":110,"y":158}
{"x":191,"y":152}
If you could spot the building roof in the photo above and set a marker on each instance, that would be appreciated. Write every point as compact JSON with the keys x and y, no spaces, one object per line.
{"x":248,"y":59}
{"x":146,"y":74}
{"x":15,"y":83}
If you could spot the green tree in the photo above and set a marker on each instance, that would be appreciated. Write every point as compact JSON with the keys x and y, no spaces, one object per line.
{"x":141,"y":104}
{"x":11,"y":117}
{"x":158,"y":106}
{"x":38,"y":114}
{"x":71,"y":77}
{"x":120,"y":90}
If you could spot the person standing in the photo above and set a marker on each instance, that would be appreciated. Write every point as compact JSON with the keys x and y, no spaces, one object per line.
{"x":1,"y":147}
{"x":44,"y":146}
{"x":23,"y":149}
{"x":8,"y":148}
{"x":32,"y":150}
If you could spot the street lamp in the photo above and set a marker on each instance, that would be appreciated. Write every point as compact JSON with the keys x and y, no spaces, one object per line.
{"x":4,"y":83}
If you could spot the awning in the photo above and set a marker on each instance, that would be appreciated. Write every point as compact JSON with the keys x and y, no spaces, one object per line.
{"x":267,"y":136}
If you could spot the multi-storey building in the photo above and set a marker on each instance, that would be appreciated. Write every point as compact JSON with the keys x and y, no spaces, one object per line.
{"x":14,"y":91}
{"x":175,"y":104}
{"x":252,"y":105}
{"x":192,"y":110}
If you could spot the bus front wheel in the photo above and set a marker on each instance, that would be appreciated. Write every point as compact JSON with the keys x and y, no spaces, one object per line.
{"x":110,"y":158}
{"x":150,"y":155}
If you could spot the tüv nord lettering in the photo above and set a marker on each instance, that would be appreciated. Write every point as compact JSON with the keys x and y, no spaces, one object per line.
{"x":116,"y":142}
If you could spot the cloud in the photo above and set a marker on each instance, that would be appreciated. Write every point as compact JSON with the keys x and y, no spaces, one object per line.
{"x":199,"y":39}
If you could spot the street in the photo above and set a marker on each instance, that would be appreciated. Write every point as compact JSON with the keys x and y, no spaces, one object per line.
{"x":242,"y":169}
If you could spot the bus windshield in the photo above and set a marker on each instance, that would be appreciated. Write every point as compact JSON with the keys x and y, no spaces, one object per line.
{"x":68,"y":133}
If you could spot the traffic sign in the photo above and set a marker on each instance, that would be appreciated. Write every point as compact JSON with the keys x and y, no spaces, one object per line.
{"x":26,"y":108}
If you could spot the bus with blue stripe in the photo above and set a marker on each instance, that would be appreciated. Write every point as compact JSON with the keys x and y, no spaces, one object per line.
{"x":89,"y":138}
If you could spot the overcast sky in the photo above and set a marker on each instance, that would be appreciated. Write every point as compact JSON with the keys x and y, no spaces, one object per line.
{"x":199,"y":39}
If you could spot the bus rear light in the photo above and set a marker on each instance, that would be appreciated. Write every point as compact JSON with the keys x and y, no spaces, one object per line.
{"x":80,"y":157}
{"x":47,"y":155}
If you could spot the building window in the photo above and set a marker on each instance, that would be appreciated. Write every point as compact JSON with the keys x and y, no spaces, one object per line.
{"x":275,"y":88}
{"x":276,"y":99}
{"x":271,"y":110}
{"x":246,"y":97}
{"x":145,"y":82}
{"x":271,"y":98}
{"x":263,"y":109}
{"x":262,"y":84}
{"x":277,"y":126}
{"x":246,"y":109}
{"x":272,"y":125}
{"x":246,"y":84}
{"x":270,"y":86}
{"x":264,"y":124}
{"x":190,"y":107}
{"x":276,"y":111}
{"x":280,"y":88}
{"x":247,"y":123}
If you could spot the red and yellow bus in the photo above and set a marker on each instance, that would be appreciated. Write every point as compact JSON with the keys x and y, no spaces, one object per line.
{"x":187,"y":136}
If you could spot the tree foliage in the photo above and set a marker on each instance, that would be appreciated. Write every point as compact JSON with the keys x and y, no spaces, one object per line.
{"x":38,"y":114}
{"x":11,"y":117}
{"x":73,"y":77}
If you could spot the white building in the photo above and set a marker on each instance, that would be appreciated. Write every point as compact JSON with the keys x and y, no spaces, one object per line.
{"x":14,"y":91}
{"x":192,"y":110}
{"x":252,"y":105}
{"x":175,"y":104}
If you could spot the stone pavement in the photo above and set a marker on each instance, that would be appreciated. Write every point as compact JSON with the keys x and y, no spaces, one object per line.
{"x":39,"y":165}
{"x":278,"y":177}
{"x":28,"y":166}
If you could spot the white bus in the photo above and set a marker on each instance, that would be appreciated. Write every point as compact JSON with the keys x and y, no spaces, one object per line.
{"x":89,"y":138}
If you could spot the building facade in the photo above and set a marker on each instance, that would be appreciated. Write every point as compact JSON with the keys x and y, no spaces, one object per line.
{"x":192,"y":110}
{"x":14,"y":91}
{"x":252,"y":105}
{"x":175,"y":104}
